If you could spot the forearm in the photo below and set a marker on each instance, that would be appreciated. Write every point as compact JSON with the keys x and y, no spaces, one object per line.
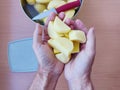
{"x":44,"y":81}
{"x":80,"y":84}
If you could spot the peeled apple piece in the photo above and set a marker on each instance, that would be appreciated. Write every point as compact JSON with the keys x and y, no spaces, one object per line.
{"x":62,"y":44}
{"x":76,"y":48}
{"x":56,"y":51}
{"x":63,"y":58}
{"x":77,"y":35}
{"x":69,"y":14}
{"x":31,"y":2}
{"x":55,"y":4}
{"x":43,"y":1}
{"x":39,"y":7}
{"x":66,"y":35}
{"x":60,"y":26}
{"x":51,"y":31}
{"x":71,"y":0}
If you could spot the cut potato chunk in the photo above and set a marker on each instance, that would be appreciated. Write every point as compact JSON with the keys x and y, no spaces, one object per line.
{"x":60,"y":26}
{"x":39,"y":7}
{"x":62,"y":44}
{"x":43,"y":1}
{"x":31,"y":2}
{"x":63,"y":58}
{"x":51,"y":31}
{"x":55,"y":4}
{"x":69,"y":14}
{"x":76,"y":48}
{"x":77,"y":35}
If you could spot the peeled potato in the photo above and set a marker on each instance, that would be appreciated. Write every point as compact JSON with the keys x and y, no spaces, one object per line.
{"x":31,"y":2}
{"x":55,"y":3}
{"x":63,"y":58}
{"x":62,"y":44}
{"x":69,"y":14}
{"x":56,"y":51}
{"x":77,"y":35}
{"x":43,"y":1}
{"x":60,"y":26}
{"x":51,"y":31}
{"x":39,"y":7}
{"x":76,"y":48}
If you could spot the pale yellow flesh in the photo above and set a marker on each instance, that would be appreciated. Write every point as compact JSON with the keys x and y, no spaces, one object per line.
{"x":64,"y":45}
{"x":60,"y":26}
{"x":31,"y":2}
{"x":63,"y":58}
{"x":76,"y":48}
{"x":71,"y":0}
{"x":69,"y":14}
{"x":66,"y":35}
{"x":55,"y":4}
{"x":77,"y":35}
{"x":39,"y":7}
{"x":44,"y":19}
{"x":43,"y":1}
{"x":56,"y":51}
{"x":51,"y":31}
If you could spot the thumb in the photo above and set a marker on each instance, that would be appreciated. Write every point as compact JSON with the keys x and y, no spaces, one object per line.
{"x":37,"y":35}
{"x":91,"y":42}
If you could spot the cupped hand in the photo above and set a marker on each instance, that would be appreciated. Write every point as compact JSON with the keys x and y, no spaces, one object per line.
{"x":81,"y":63}
{"x":48,"y":63}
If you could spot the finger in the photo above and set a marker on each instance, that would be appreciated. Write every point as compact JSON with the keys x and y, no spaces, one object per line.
{"x":38,"y":29}
{"x":91,"y":42}
{"x":45,"y":38}
{"x":50,"y":18}
{"x":45,"y":35}
{"x":61,"y":15}
{"x":69,"y":21}
{"x":80,"y":25}
{"x":72,"y":27}
{"x":37,"y":34}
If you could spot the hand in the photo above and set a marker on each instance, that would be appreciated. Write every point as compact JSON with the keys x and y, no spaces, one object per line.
{"x":47,"y":60}
{"x":49,"y":67}
{"x":77,"y":71}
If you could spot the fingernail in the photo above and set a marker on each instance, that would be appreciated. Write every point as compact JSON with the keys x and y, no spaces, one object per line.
{"x":92,"y":28}
{"x":79,"y":22}
{"x":67,"y":21}
{"x":62,"y":13}
{"x":52,"y":13}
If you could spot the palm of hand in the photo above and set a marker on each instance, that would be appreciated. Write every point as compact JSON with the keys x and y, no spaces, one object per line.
{"x":80,"y":64}
{"x":47,"y":60}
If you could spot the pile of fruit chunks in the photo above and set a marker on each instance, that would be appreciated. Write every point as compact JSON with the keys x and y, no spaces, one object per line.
{"x":63,"y":40}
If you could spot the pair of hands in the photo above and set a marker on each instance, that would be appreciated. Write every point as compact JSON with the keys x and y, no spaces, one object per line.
{"x":79,"y":67}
